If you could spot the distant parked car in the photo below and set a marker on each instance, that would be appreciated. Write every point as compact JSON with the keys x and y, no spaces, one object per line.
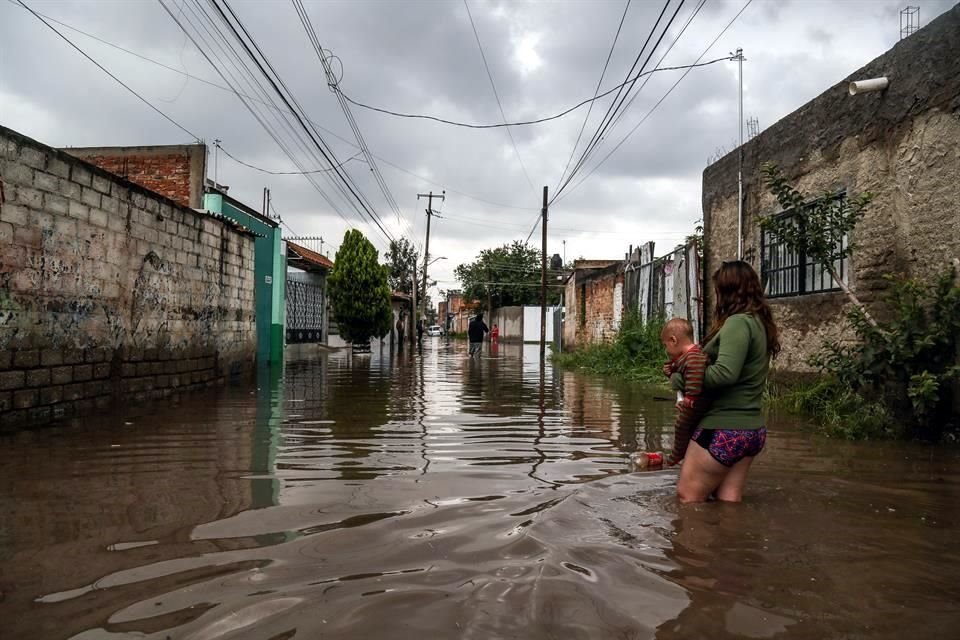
{"x":434,"y":330}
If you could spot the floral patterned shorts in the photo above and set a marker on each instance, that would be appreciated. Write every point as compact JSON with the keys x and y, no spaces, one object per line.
{"x":730,"y":446}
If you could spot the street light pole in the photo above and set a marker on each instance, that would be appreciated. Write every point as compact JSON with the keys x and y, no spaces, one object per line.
{"x":739,"y":59}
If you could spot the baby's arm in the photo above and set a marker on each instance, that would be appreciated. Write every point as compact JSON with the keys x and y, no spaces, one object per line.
{"x":690,"y":406}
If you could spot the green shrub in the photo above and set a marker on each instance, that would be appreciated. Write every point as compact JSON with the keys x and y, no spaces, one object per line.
{"x":907,"y":361}
{"x":635,"y":354}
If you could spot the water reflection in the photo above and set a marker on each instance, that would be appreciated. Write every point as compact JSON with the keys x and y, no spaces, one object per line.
{"x":431,"y":494}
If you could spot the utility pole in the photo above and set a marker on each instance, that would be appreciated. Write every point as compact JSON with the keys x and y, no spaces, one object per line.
{"x":489,"y":297}
{"x":543,"y":280}
{"x":216,"y":162}
{"x":739,"y":58}
{"x":426,"y":250}
{"x":413,"y":308}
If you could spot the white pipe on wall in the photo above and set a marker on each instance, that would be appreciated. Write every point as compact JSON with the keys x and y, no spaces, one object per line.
{"x":864,"y":86}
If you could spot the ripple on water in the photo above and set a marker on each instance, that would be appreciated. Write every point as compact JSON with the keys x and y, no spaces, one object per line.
{"x":442,"y":497}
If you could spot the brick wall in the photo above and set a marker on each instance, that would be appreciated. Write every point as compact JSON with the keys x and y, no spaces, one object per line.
{"x":175,"y":171}
{"x":109,"y":291}
{"x":900,"y":144}
{"x":590,"y":301}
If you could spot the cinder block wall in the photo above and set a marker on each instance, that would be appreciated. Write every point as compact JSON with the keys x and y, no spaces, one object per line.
{"x":900,"y":144}
{"x":109,"y":291}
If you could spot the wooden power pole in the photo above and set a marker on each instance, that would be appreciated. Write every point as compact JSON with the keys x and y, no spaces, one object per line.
{"x":543,"y":280}
{"x":426,"y":249}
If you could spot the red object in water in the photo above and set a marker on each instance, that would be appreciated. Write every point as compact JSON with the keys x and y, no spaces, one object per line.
{"x":655,"y":459}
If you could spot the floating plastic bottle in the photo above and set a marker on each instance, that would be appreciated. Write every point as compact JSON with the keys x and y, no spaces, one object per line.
{"x":643,"y":460}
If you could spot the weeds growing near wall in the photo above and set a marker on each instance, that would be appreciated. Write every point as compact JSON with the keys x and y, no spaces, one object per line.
{"x":838,"y":411}
{"x":635,"y":354}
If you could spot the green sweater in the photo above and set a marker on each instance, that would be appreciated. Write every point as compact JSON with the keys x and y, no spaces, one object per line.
{"x":734,"y":383}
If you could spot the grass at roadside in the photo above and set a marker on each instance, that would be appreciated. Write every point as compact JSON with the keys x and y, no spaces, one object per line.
{"x":635,"y":354}
{"x":836,"y":411}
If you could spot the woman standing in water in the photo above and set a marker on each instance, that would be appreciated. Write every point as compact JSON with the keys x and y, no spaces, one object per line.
{"x":731,"y":433}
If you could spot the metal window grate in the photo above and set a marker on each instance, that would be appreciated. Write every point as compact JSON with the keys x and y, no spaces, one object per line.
{"x":789,"y":273}
{"x":305,"y":307}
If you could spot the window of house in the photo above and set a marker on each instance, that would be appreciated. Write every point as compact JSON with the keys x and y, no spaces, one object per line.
{"x":790,"y":273}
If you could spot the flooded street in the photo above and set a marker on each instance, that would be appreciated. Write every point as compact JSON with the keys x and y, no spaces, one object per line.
{"x":437,"y":497}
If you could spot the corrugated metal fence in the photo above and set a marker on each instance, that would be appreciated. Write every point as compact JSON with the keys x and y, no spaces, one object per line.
{"x":665,"y":287}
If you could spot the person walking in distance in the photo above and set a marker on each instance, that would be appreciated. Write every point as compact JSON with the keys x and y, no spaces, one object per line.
{"x":476,"y":332}
{"x":400,"y":325}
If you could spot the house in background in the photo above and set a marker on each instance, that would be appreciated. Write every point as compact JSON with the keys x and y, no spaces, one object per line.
{"x":270,"y":267}
{"x":900,"y":144}
{"x":307,"y":301}
{"x":593,"y":298}
{"x":179,"y":173}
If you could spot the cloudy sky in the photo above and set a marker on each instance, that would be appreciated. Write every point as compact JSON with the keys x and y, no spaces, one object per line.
{"x":422,"y":57}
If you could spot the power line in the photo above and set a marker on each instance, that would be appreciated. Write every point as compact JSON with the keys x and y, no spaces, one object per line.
{"x":275,"y":81}
{"x":664,"y":96}
{"x":284,"y":173}
{"x":619,"y":100}
{"x":345,"y":107}
{"x":596,"y":91}
{"x":241,"y":67}
{"x":619,"y":116}
{"x":519,"y":123}
{"x":104,"y":69}
{"x":273,"y":106}
{"x":495,"y":93}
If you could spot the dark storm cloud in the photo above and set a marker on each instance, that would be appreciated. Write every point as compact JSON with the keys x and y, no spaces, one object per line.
{"x":422,"y":57}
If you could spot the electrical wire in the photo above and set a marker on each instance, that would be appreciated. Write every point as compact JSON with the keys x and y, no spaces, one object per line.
{"x":299,"y":113}
{"x":345,"y":107}
{"x":519,"y":123}
{"x":106,"y":71}
{"x":619,"y":100}
{"x":239,"y":66}
{"x":596,"y":91}
{"x":496,"y":94}
{"x":664,"y":96}
{"x":597,"y":136}
{"x":246,"y":40}
{"x":284,"y":173}
{"x":616,"y":120}
{"x":387,"y":162}
{"x":690,"y":18}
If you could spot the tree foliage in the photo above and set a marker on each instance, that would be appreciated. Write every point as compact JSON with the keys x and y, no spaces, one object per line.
{"x":402,"y":260}
{"x":359,"y":291}
{"x":826,"y":220}
{"x":509,"y":275}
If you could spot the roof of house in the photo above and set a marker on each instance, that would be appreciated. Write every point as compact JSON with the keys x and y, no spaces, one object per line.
{"x":308,"y":260}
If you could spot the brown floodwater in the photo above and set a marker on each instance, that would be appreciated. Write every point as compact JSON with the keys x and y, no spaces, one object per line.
{"x":436,"y":497}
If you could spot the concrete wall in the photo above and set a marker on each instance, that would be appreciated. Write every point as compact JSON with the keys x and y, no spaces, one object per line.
{"x":510,"y":321}
{"x":175,"y":171}
{"x":531,"y":324}
{"x":902,"y":145}
{"x":109,"y":291}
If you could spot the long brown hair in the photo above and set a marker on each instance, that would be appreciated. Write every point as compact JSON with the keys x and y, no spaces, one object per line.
{"x":739,"y":290}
